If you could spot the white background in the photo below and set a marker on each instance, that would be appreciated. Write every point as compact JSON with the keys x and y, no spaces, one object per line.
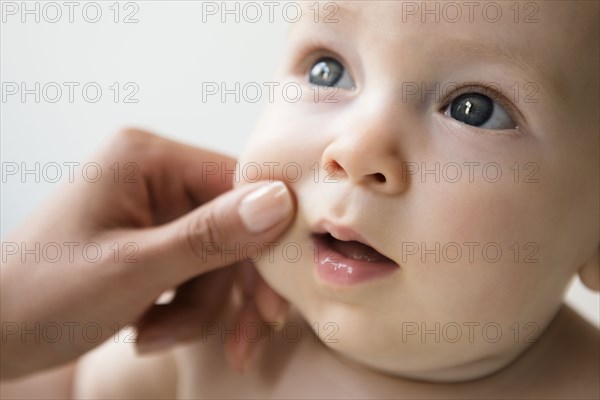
{"x":168,"y":54}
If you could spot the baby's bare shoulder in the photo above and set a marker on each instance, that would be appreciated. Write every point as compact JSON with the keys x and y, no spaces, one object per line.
{"x":114,"y":370}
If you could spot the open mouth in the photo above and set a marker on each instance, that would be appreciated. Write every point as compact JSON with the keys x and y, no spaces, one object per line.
{"x":354,"y":249}
{"x":342,"y":262}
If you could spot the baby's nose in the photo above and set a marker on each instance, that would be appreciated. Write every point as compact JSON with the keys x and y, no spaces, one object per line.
{"x":366,"y":158}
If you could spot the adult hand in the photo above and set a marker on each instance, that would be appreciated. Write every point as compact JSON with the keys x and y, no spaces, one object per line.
{"x":151,"y":215}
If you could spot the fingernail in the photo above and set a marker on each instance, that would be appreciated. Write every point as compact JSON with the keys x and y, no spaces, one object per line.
{"x":155,"y":344}
{"x":265,"y":207}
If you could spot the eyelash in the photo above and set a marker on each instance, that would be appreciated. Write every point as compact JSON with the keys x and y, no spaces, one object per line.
{"x":313,"y":51}
{"x":310,"y":53}
{"x":485,"y":89}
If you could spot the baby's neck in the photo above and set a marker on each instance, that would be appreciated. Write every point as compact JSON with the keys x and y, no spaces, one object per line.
{"x":563,"y":355}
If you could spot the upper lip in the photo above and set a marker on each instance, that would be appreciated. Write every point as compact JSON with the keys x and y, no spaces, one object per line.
{"x":340,"y":232}
{"x":343,"y":233}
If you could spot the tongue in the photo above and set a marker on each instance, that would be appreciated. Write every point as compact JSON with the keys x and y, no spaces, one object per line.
{"x":358,"y":251}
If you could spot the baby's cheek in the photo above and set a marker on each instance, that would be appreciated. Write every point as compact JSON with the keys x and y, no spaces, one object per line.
{"x":274,"y":161}
{"x":507,"y":260}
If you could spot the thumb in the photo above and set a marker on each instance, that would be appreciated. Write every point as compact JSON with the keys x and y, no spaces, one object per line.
{"x":229,"y":228}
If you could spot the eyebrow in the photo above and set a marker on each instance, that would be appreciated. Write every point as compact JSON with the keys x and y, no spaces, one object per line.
{"x":495,"y":51}
{"x":491,"y":51}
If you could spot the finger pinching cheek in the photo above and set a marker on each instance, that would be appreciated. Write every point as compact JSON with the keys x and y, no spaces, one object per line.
{"x":266,"y":207}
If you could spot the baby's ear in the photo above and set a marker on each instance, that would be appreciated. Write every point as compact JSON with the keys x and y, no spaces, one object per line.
{"x":589,"y":273}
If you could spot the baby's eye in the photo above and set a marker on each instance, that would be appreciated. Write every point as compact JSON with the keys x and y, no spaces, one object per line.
{"x":479,"y":110}
{"x":330,"y":72}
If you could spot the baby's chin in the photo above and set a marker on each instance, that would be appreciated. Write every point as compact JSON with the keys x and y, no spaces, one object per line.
{"x":340,"y":326}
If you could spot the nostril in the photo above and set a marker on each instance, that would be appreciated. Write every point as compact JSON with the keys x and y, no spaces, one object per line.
{"x":333,"y":166}
{"x":379,"y":177}
{"x":333,"y":169}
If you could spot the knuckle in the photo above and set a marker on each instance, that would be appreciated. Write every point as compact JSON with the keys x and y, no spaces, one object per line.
{"x":131,"y":140}
{"x":131,"y":136}
{"x":133,"y":145}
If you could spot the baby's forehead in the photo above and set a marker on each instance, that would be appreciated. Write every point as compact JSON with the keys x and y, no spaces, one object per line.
{"x":542,"y":37}
{"x":568,"y":22}
{"x":574,"y":14}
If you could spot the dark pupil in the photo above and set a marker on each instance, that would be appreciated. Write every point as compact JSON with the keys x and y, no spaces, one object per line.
{"x":326,"y":72}
{"x":472,"y":109}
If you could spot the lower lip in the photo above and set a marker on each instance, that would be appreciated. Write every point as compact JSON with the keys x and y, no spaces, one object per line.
{"x":340,"y":270}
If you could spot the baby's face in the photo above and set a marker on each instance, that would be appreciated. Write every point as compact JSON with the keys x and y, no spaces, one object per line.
{"x":464,"y":153}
